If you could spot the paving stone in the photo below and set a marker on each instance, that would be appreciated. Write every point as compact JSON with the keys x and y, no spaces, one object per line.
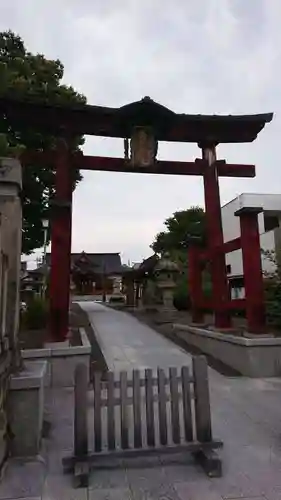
{"x":61,"y":488}
{"x":106,"y":479}
{"x":22,"y":479}
{"x":156,"y":492}
{"x":111,"y":494}
{"x":195,"y":491}
{"x":244,"y":498}
{"x":126,"y":343}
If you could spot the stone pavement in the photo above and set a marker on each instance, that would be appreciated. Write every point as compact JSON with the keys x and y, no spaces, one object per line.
{"x":246,"y":415}
{"x":126,"y":343}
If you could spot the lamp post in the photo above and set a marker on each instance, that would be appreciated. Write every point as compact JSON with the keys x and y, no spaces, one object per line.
{"x":45,"y":225}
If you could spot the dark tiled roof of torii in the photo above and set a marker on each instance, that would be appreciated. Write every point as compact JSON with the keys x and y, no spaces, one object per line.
{"x":100,"y":262}
{"x":118,"y":122}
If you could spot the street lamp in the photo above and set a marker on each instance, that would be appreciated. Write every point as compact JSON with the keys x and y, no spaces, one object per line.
{"x":45,"y":225}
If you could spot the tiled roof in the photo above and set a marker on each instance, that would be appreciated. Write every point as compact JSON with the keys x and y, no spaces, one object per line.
{"x":108,"y":263}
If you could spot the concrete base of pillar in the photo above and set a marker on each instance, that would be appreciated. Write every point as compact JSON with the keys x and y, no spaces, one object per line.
{"x":255,"y":357}
{"x":62,"y":360}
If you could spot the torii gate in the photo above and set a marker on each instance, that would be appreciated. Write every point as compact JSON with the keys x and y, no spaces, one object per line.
{"x":146,"y":122}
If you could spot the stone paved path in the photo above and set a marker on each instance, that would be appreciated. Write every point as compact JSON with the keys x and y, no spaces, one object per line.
{"x":246,"y":415}
{"x":126,"y":343}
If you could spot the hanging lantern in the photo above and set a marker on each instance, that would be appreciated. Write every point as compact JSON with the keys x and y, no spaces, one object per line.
{"x":143,"y":147}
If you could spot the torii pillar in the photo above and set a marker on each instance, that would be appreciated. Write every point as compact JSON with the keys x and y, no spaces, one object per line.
{"x":61,"y":245}
{"x":252,"y":269}
{"x":220,"y":289}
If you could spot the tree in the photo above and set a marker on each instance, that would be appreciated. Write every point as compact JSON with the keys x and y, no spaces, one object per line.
{"x":272,"y":287}
{"x":25,"y":75}
{"x":180,"y":227}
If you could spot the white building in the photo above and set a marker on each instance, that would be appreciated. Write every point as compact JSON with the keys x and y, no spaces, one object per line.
{"x":269,"y":228}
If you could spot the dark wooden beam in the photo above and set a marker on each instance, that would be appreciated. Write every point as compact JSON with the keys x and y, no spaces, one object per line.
{"x":108,"y":164}
{"x":197,"y":167}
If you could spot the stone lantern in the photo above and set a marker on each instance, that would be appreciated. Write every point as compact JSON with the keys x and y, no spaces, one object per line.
{"x":166,"y":272}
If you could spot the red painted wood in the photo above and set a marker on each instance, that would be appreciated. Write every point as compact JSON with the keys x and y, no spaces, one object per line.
{"x":253,"y":278}
{"x":195,"y":283}
{"x":227,"y":247}
{"x":61,"y":247}
{"x":197,"y":167}
{"x":220,"y":288}
{"x":108,"y":164}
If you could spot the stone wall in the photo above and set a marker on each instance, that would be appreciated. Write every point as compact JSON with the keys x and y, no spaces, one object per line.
{"x":10,"y":254}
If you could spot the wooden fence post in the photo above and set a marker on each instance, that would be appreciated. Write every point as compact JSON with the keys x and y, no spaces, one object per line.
{"x":80,"y":424}
{"x":208,"y":459}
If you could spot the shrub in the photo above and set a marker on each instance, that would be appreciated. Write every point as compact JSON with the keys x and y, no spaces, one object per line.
{"x":273,"y":302}
{"x":181,"y":296}
{"x":272,"y":287}
{"x":36,"y":315}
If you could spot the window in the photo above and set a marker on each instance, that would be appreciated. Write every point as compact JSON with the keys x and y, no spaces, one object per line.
{"x":270,"y":222}
{"x":228,"y":269}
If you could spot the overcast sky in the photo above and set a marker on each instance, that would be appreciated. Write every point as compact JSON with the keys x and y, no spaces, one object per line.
{"x":196,"y":56}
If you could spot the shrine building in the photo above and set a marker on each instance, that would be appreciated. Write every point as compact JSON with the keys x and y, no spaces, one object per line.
{"x":94,"y":273}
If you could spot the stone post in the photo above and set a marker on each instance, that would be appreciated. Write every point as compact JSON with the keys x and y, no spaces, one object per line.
{"x":11,"y":236}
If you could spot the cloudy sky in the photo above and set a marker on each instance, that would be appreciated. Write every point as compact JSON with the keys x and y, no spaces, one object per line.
{"x":206,"y":56}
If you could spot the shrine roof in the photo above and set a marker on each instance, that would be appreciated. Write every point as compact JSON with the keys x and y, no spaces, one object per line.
{"x":146,"y":266}
{"x":119,"y":122}
{"x":108,"y":263}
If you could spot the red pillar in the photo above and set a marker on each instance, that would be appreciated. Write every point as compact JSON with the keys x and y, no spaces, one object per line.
{"x":220,"y":289}
{"x":61,"y":246}
{"x":252,"y":267}
{"x":195,"y":283}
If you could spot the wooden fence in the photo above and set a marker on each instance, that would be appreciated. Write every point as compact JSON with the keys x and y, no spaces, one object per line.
{"x":125,"y":410}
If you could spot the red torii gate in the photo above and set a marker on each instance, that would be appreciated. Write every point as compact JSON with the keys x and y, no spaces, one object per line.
{"x":165,"y":125}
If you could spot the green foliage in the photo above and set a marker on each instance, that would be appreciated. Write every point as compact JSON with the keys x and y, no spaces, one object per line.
{"x":272,"y":286}
{"x":180,"y":227}
{"x":181,"y":295}
{"x":25,"y":75}
{"x":36,"y":315}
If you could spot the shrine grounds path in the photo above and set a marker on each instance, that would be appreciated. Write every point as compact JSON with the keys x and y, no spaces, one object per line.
{"x":127,"y":344}
{"x":246,"y":415}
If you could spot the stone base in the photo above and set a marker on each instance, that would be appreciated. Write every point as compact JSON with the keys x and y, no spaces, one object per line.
{"x":25,"y":409}
{"x":255,"y":357}
{"x":62,"y":360}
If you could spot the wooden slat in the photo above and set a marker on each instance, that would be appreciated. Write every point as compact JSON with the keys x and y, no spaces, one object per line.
{"x":174,"y":405}
{"x":124,"y":411}
{"x":97,"y":412}
{"x":149,"y":408}
{"x":80,"y":411}
{"x":202,"y":399}
{"x":137,"y":409}
{"x":130,"y":401}
{"x":192,"y":447}
{"x":162,"y":409}
{"x":186,"y":403}
{"x":142,"y":382}
{"x":110,"y":411}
